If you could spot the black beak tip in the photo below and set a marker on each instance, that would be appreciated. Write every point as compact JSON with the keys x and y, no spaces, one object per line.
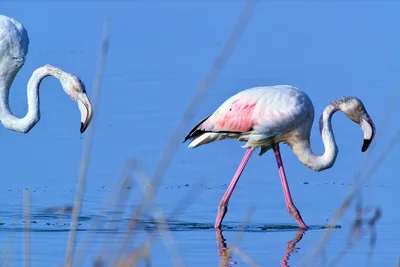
{"x":83,"y":128}
{"x":366,"y":144}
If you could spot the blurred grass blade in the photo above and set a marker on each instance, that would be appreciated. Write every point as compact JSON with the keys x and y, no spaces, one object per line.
{"x":27,"y":228}
{"x":87,"y":145}
{"x":209,"y":79}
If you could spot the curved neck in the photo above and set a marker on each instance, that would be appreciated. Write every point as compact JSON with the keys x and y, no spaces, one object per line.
{"x":304,"y":152}
{"x":26,"y":123}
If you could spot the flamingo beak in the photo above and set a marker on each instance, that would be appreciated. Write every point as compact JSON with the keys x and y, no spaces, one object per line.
{"x":85,"y":107}
{"x":368,"y":128}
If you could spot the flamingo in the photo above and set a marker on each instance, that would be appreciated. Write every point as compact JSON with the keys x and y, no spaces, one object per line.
{"x":14,"y":42}
{"x":266,"y":116}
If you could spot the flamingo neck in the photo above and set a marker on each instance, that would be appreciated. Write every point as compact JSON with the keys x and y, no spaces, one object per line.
{"x":25,"y":124}
{"x":303,"y":149}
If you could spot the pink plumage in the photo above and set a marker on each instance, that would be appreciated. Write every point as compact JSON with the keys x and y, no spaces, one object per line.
{"x":266,"y":116}
{"x":256,"y":115}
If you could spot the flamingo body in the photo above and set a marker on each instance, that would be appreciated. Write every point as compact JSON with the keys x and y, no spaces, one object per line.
{"x":259,"y":116}
{"x":265,"y":116}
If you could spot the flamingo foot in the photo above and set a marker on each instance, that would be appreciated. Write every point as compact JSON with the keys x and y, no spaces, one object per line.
{"x":294,"y":212}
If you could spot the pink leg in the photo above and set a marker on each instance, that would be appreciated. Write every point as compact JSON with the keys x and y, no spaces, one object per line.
{"x":288,"y":198}
{"x":223,"y":205}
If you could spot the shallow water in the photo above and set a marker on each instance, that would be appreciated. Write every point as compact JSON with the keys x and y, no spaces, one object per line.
{"x":159,"y":52}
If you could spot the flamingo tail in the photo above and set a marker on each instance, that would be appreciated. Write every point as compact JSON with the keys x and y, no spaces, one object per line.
{"x":203,"y":139}
{"x":196,"y":131}
{"x":202,"y":136}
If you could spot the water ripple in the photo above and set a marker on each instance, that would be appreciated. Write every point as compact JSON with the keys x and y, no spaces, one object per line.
{"x":60,"y":222}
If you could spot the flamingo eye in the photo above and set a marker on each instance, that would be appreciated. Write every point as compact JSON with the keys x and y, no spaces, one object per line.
{"x":81,"y":85}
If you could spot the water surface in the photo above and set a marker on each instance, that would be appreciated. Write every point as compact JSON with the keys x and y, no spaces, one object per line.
{"x":159,"y":52}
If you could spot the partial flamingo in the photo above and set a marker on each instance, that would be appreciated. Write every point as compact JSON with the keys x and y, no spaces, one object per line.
{"x":266,"y":116}
{"x":14,"y":44}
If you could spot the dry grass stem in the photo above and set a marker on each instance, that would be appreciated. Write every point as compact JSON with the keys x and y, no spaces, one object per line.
{"x":27,"y":228}
{"x":137,"y":170}
{"x":372,"y":228}
{"x":245,"y":258}
{"x":119,"y":200}
{"x":162,"y":224}
{"x":174,"y":141}
{"x":360,"y":179}
{"x":87,"y":145}
{"x":141,"y":253}
{"x":123,"y":189}
{"x":350,"y":196}
{"x":234,"y":246}
{"x":209,"y":79}
{"x":356,"y":232}
{"x":110,"y":203}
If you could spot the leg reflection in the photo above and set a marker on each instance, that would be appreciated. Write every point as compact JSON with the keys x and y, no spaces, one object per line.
{"x":226,"y":255}
{"x":290,"y":247}
{"x":223,"y":250}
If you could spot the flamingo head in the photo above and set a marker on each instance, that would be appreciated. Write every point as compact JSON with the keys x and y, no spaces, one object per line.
{"x":356,"y":111}
{"x":75,"y":89}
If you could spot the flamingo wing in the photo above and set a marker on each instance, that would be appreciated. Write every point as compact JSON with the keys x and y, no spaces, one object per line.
{"x":234,"y":116}
{"x":263,"y":112}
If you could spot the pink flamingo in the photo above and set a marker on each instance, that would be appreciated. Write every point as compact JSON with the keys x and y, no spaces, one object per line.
{"x":266,"y":116}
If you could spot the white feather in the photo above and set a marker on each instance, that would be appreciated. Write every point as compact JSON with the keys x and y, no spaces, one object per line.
{"x":203,"y":139}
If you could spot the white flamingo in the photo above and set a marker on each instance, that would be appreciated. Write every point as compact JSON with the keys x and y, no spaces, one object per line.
{"x":14,"y":44}
{"x":266,"y":116}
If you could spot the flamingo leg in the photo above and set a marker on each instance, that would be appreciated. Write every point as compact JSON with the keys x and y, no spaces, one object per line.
{"x":223,"y":204}
{"x":288,"y":198}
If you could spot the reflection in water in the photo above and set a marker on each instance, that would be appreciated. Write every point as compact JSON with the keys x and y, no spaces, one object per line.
{"x":59,"y":209}
{"x":225,"y":255}
{"x":290,"y":247}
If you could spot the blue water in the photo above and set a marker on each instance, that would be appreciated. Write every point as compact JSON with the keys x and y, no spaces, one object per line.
{"x":159,"y":53}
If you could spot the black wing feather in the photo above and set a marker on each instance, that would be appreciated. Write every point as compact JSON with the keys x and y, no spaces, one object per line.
{"x":195,"y":132}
